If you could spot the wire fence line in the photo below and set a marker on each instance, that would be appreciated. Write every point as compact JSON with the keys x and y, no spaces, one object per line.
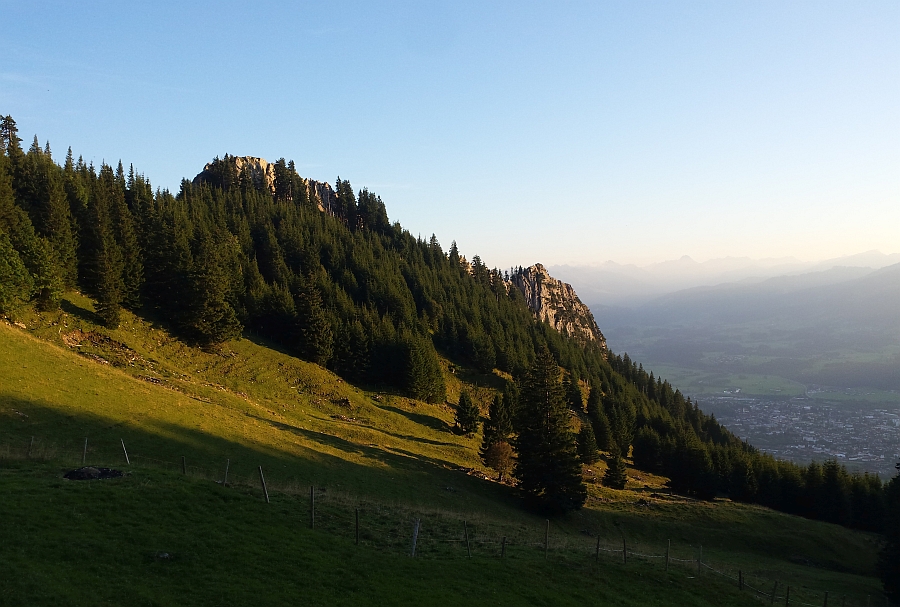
{"x":392,"y":527}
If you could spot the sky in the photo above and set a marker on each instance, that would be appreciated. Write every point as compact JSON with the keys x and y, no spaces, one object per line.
{"x":557,"y":132}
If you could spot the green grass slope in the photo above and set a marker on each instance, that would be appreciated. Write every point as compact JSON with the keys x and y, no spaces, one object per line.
{"x":63,"y":379}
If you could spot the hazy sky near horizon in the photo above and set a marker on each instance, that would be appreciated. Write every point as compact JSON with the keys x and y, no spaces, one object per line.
{"x":561,"y":133}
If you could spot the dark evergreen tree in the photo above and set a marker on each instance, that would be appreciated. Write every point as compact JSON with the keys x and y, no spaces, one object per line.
{"x":425,"y":380}
{"x":574,"y":397}
{"x":547,"y":463}
{"x":616,"y":474}
{"x":102,"y":257}
{"x":315,"y":336}
{"x":587,"y":444}
{"x":498,"y":427}
{"x":468,"y":416}
{"x":598,"y":419}
{"x":15,"y":281}
{"x":209,"y":316}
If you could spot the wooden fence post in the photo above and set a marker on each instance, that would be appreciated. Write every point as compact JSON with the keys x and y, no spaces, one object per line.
{"x":312,"y":507}
{"x":624,"y":551}
{"x":774,"y":588}
{"x":597,"y":553}
{"x":466,"y":531}
{"x":184,"y":466}
{"x":225,"y":478}
{"x":547,"y":539}
{"x":30,"y":445}
{"x":826,"y":599}
{"x":740,"y":580}
{"x":84,"y":453}
{"x":415,"y":538}
{"x":503,"y":547}
{"x":127,"y":461}
{"x":700,"y":560}
{"x":787,"y":597}
{"x":262,"y":480}
{"x":357,"y":526}
{"x":668,"y":548}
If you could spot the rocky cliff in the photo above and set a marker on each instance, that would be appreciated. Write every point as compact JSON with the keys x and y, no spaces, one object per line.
{"x":554,"y":301}
{"x":262,"y":173}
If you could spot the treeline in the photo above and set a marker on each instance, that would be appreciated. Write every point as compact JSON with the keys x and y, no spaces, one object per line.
{"x":360,"y":295}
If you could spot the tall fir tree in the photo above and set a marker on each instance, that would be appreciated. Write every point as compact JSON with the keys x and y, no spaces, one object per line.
{"x":210,"y":318}
{"x":616,"y":474}
{"x":587,"y":444}
{"x":102,"y":257}
{"x":547,"y":465}
{"x":498,"y":427}
{"x":16,"y":283}
{"x":468,"y":415}
{"x":314,"y":333}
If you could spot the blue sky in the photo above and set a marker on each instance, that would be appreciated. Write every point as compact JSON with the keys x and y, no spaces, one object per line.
{"x":560,"y":132}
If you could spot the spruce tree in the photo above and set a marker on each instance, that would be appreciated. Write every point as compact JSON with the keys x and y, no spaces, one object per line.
{"x":424,"y":379}
{"x":598,"y":419}
{"x":102,"y":256}
{"x":587,"y":444}
{"x":574,"y":398}
{"x":15,"y":281}
{"x":209,"y":317}
{"x":315,"y":339}
{"x":498,"y":426}
{"x":616,"y":474}
{"x":468,"y":416}
{"x":547,"y":465}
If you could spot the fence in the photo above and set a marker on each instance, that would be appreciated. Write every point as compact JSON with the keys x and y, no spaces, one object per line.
{"x":435,"y":533}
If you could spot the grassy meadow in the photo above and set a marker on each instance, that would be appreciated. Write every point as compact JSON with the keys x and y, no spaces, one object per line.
{"x":160,"y":537}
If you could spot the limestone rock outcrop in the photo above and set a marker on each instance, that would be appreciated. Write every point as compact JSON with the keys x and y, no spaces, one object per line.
{"x":262,"y":173}
{"x":557,"y":303}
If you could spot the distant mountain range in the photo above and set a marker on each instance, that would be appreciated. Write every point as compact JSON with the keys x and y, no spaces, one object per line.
{"x":838,"y":327}
{"x":613,"y":284}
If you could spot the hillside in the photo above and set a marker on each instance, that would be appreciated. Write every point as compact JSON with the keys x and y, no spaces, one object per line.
{"x":389,"y":456}
{"x":258,"y":325}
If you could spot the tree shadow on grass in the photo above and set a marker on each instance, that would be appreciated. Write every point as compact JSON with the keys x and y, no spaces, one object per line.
{"x":429,"y":421}
{"x":79,"y":312}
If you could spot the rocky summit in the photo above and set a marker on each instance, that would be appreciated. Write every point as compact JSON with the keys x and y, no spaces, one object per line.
{"x":556,"y":302}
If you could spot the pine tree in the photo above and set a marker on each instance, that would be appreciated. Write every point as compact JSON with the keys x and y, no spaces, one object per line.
{"x":468,"y":416}
{"x":102,"y":256}
{"x":574,"y":397}
{"x":547,"y":465}
{"x":498,"y":426}
{"x":16,"y":283}
{"x":598,"y":419}
{"x":587,"y":444}
{"x":209,"y":317}
{"x":315,"y":337}
{"x":616,"y":474}
{"x":424,"y":379}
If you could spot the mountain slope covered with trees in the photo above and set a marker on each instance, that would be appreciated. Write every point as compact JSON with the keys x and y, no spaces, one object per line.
{"x":351,"y":291}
